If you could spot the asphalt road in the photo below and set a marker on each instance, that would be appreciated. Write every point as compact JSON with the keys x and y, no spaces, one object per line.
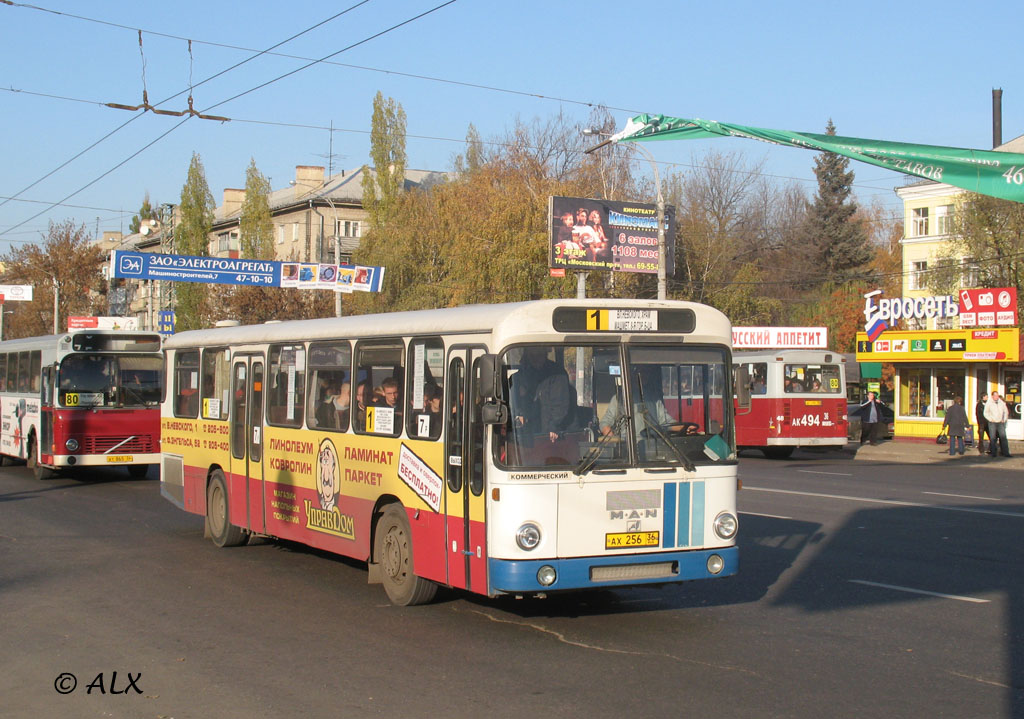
{"x":866,"y":589}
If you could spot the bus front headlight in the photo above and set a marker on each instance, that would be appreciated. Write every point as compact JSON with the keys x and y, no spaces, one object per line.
{"x":528,"y":536}
{"x":726,"y":525}
{"x":72,"y":445}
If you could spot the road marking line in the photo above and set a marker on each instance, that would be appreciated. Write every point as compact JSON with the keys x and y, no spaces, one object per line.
{"x":957,"y":597}
{"x":898,"y":503}
{"x":770,"y":516}
{"x":834,"y":474}
{"x":962,"y":496}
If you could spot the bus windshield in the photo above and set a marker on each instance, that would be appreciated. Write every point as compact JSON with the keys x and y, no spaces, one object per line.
{"x":99,"y":380}
{"x":596,"y":406}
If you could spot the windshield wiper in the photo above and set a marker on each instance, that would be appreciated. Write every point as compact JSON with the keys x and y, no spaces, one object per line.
{"x":651,"y":424}
{"x":591,"y":457}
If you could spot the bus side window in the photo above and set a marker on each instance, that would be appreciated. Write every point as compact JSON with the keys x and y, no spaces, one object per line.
{"x":35,"y":368}
{"x":426,"y":388}
{"x":330,"y":387}
{"x":287,"y":398}
{"x":3,"y":372}
{"x":758,"y":378}
{"x":381,"y":362}
{"x":214,"y":387}
{"x":186,"y":384}
{"x":12,"y":372}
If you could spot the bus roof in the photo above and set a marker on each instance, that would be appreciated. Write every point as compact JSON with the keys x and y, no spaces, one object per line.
{"x":501,"y":320}
{"x":27,"y":343}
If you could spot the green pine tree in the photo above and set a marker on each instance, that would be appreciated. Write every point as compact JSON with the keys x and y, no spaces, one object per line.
{"x":837,"y":245}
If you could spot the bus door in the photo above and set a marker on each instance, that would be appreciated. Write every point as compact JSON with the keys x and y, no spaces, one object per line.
{"x":46,"y":402}
{"x":247,"y":438}
{"x":466,"y":546}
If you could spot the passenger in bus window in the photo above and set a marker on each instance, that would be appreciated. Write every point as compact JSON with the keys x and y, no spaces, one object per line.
{"x":649,"y":409}
{"x":362,"y":400}
{"x":389,"y":393}
{"x":341,"y":401}
{"x":542,"y":396}
{"x":816,"y":386}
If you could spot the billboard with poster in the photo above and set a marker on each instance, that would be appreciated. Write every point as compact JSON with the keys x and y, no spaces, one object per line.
{"x":590,"y":235}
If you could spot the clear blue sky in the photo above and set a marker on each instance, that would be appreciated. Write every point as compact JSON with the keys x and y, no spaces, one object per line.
{"x":920,"y":72}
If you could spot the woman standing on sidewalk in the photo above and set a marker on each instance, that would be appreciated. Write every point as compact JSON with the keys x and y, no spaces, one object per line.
{"x":956,"y":420}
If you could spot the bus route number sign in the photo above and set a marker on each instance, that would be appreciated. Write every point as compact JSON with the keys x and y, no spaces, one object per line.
{"x":622,"y":320}
{"x":628,"y":540}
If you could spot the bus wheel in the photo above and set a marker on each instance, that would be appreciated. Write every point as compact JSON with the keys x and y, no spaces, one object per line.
{"x":778,"y":452}
{"x":222,"y":531}
{"x":394,"y":553}
{"x":38,"y":470}
{"x":138,"y":471}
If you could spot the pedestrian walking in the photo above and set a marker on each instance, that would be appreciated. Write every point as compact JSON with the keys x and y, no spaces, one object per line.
{"x":997,"y":415}
{"x":979,"y":412}
{"x":957,"y":422}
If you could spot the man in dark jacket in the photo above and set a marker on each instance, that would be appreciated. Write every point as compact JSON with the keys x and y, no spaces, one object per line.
{"x":956,"y":420}
{"x":979,"y":412}
{"x":870,"y":418}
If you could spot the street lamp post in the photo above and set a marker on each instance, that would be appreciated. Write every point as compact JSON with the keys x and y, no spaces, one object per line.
{"x":662,"y":249}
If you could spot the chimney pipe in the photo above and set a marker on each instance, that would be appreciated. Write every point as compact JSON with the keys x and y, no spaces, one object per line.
{"x":997,"y":117}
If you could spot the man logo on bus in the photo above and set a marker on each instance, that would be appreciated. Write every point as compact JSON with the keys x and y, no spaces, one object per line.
{"x":328,"y":481}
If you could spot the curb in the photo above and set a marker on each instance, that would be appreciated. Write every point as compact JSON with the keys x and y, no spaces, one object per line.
{"x":921,"y":451}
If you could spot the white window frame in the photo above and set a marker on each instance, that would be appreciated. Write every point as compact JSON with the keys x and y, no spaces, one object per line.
{"x":944,"y":219}
{"x":919,"y":221}
{"x":918,"y":268}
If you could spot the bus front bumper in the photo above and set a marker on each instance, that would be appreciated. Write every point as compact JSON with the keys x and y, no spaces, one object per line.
{"x":102,"y":460}
{"x":509,"y":576}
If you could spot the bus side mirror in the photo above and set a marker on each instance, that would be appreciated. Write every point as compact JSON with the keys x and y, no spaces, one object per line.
{"x":494,"y":413}
{"x":488,"y":385}
{"x":743,"y":387}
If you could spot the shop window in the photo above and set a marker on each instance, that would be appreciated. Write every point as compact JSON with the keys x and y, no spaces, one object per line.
{"x":915,"y":393}
{"x":949,"y":384}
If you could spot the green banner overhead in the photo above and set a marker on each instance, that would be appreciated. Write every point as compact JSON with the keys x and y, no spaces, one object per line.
{"x":987,"y":172}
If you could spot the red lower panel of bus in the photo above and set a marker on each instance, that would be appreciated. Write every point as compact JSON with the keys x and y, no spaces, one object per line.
{"x":107,"y":431}
{"x":298,"y":514}
{"x":793,"y":419}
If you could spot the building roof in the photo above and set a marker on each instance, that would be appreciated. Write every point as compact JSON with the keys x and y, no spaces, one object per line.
{"x":344,"y":188}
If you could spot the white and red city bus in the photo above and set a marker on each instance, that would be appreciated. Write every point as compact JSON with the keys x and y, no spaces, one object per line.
{"x":797,"y":399}
{"x":514,"y":449}
{"x":82,"y":398}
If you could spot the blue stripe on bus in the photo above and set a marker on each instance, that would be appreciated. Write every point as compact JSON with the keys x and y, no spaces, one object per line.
{"x":669,"y":524}
{"x":684,"y":515}
{"x":697,"y":525}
